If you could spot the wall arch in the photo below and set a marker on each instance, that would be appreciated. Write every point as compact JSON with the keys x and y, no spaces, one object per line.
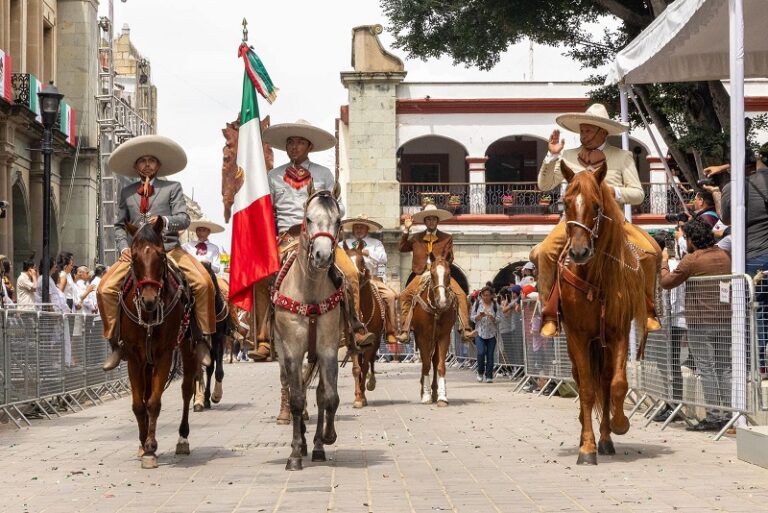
{"x":515,"y":158}
{"x":432,"y":159}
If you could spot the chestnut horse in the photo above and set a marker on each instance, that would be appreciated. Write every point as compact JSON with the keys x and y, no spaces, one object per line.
{"x":433,"y":319}
{"x":154,"y":320}
{"x":372,"y":315}
{"x":601,"y":292}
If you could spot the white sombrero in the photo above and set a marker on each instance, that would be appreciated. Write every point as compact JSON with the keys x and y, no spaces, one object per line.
{"x":204,"y":222}
{"x":596,"y":115}
{"x":431,"y":210}
{"x":277,"y":135}
{"x":372,"y":225}
{"x":171,"y":156}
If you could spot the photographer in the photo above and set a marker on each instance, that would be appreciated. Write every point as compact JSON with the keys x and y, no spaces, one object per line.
{"x":756,"y":221}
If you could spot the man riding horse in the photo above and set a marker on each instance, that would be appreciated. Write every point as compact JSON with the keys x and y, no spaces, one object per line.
{"x":203,"y":249}
{"x":594,"y":126}
{"x":425,"y":246}
{"x":148,"y":158}
{"x":375,"y":258}
{"x":289,"y":185}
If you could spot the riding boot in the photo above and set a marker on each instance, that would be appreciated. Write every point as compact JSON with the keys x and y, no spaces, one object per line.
{"x":406,"y":310}
{"x":284,"y":417}
{"x":203,"y":350}
{"x":652,"y":323}
{"x":115,"y":357}
{"x":549,"y":313}
{"x":199,"y":395}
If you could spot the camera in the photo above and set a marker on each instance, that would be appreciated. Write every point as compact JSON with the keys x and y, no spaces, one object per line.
{"x":3,"y":209}
{"x":706,"y":181}
{"x":678,"y":217}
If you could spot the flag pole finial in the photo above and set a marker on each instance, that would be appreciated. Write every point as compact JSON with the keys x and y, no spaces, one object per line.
{"x":245,"y":30}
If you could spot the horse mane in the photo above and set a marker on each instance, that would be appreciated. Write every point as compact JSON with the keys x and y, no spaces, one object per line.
{"x":147,"y":233}
{"x":614,"y":269}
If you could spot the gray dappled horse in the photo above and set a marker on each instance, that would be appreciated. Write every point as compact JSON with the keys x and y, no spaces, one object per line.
{"x":308,"y":319}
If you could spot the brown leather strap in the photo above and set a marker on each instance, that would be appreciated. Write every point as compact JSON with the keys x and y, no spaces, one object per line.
{"x":312,"y":339}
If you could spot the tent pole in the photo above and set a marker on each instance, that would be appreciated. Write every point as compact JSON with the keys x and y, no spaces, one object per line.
{"x":738,"y":210}
{"x":625,"y":136}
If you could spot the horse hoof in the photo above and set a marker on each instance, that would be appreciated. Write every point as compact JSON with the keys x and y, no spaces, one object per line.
{"x":587,"y":458}
{"x":358,"y":404}
{"x":197,"y":408}
{"x":218,"y":392}
{"x":442,"y":403}
{"x":207,"y":404}
{"x":149,"y":461}
{"x":182,"y":448}
{"x":318,"y":455}
{"x":619,"y":427}
{"x":329,"y":439}
{"x":365,"y":401}
{"x":606,"y":448}
{"x":283,"y":422}
{"x":294,"y":464}
{"x":426,"y":399}
{"x":371,"y":385}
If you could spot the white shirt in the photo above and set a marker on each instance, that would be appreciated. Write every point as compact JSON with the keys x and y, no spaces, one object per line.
{"x":89,"y":303}
{"x":70,"y":290}
{"x":212,"y":254}
{"x":25,"y":290}
{"x":56,"y":297}
{"x":376,"y":260}
{"x":554,"y":156}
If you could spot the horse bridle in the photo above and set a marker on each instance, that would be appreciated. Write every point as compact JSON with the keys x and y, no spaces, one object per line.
{"x":317,"y":235}
{"x":593,"y":232}
{"x":157,"y":316}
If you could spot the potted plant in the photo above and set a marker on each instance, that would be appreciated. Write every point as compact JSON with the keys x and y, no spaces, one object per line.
{"x":507,"y":200}
{"x":454,"y":200}
{"x":545,"y":200}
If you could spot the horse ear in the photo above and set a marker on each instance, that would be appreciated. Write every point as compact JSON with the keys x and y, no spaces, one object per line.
{"x":158,"y":226}
{"x":132,"y":229}
{"x":601,"y":172}
{"x":337,"y":190}
{"x":311,"y":188}
{"x":566,"y":171}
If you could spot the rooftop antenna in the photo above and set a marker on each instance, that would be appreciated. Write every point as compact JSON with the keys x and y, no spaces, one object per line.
{"x":245,"y":30}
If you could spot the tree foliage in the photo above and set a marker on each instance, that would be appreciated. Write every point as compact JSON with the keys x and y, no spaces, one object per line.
{"x":692,"y":117}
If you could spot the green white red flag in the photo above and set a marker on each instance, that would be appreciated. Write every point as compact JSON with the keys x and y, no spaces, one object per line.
{"x":254,"y":249}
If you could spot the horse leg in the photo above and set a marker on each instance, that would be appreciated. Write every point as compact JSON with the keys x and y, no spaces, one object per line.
{"x":580,"y":356}
{"x":434,"y":374}
{"x":218,"y":361}
{"x":619,"y":386}
{"x":199,"y":391}
{"x":297,"y":400}
{"x":284,"y":415}
{"x":371,"y":386}
{"x":318,"y":452}
{"x":187,"y":390}
{"x":441,"y":354}
{"x":159,"y":377}
{"x":329,"y":376}
{"x":426,"y":366}
{"x":605,"y":444}
{"x":136,"y":376}
{"x":359,"y":378}
{"x":207,"y":394}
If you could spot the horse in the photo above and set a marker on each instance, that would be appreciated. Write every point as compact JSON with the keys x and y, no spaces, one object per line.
{"x":372,"y":312}
{"x":154,"y":321}
{"x":601,"y":292}
{"x":433,"y":319}
{"x":204,"y":398}
{"x":308,"y":320}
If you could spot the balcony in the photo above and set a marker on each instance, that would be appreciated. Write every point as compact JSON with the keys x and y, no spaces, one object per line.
{"x":519,"y":199}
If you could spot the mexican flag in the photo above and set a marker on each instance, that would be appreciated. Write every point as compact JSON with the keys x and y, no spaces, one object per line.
{"x":67,"y":122}
{"x":254,"y":249}
{"x":5,"y":76}
{"x":34,"y":102}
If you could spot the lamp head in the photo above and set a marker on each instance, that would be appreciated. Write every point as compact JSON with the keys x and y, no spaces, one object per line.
{"x":50,"y":98}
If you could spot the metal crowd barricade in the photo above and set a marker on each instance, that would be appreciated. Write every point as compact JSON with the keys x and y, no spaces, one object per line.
{"x":51,"y":362}
{"x":402,"y":353}
{"x":511,"y":355}
{"x":714,"y":316}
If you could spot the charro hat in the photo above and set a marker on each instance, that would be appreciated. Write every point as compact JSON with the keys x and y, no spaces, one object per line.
{"x":430,"y":210}
{"x":372,"y":225}
{"x":596,"y":115}
{"x":277,"y":135}
{"x":204,"y":222}
{"x":171,"y":156}
{"x":529,"y":266}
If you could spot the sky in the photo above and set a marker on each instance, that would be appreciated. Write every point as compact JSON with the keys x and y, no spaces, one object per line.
{"x":304,"y":44}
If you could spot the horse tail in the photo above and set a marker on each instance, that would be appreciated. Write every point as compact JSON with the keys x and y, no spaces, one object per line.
{"x":176,"y":368}
{"x":596,"y":369}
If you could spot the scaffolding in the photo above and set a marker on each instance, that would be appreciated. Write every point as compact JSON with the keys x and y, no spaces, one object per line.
{"x":117,"y":122}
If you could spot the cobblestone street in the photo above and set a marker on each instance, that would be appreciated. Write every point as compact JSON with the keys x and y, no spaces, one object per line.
{"x":489,"y":451}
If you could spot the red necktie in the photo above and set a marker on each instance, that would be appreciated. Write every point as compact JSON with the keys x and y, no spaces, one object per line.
{"x":145,"y":195}
{"x":202,"y":248}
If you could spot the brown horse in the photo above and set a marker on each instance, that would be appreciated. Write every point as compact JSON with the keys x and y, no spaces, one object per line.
{"x":602,"y":291}
{"x":154,"y":320}
{"x":434,"y":316}
{"x":372,"y":315}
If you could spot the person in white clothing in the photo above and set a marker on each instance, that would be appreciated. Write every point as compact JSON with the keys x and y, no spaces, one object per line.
{"x":65,"y":283}
{"x":90,"y":305}
{"x":26,"y":285}
{"x":82,"y":288}
{"x":375,"y":258}
{"x":203,"y":249}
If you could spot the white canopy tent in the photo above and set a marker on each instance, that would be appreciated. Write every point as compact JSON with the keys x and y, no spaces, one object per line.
{"x":708,"y":40}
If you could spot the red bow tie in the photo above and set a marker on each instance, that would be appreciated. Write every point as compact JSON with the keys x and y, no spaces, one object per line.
{"x":202,"y":248}
{"x":145,"y":195}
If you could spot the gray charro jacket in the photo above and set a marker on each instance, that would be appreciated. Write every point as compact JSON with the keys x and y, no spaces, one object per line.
{"x":167,"y":201}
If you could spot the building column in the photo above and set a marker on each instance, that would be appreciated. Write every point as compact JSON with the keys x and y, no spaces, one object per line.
{"x":659,"y":190}
{"x":476,"y":184}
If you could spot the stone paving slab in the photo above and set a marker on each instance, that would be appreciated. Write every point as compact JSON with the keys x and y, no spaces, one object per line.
{"x":489,"y":451}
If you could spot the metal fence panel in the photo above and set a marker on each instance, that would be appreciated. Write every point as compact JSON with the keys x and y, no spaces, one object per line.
{"x":21,"y":341}
{"x":54,"y":353}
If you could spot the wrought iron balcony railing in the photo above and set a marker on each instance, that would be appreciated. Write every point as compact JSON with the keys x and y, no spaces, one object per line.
{"x":517,"y":198}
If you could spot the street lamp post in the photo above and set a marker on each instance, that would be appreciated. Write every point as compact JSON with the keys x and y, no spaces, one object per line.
{"x":50,"y":97}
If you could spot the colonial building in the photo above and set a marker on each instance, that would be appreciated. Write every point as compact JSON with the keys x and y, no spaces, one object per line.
{"x":472,"y":148}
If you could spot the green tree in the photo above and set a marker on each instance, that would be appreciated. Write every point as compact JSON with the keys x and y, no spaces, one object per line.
{"x":692,"y":117}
